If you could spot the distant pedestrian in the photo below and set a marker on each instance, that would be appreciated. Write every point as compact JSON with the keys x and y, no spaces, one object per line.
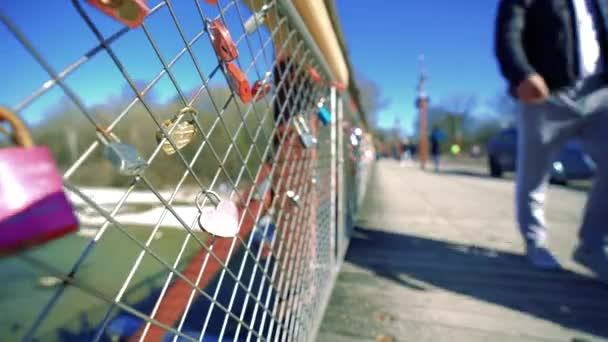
{"x":435,"y":138}
{"x":554,"y":55}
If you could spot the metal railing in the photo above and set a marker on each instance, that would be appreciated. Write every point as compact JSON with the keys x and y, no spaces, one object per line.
{"x":143,"y":266}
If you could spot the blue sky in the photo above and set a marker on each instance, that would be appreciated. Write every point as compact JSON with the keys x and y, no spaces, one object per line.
{"x":384,"y":39}
{"x":58,"y":32}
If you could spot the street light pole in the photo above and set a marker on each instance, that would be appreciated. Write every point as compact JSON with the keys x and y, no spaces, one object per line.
{"x":422,"y":105}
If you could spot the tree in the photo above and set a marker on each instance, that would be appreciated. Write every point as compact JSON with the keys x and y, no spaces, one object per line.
{"x":506,"y":107}
{"x":371,"y":98}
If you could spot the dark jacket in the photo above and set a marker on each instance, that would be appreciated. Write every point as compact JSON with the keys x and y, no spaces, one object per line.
{"x":540,"y":36}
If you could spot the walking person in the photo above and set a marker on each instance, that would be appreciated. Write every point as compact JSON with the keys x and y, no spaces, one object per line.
{"x":554,"y":56}
{"x":435,"y":138}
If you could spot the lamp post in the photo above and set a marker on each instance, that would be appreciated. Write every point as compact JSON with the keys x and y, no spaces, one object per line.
{"x":422,"y":105}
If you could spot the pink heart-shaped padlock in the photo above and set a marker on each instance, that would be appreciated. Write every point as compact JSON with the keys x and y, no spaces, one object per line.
{"x":221,"y":221}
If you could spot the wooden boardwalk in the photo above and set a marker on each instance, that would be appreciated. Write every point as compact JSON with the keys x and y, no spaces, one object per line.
{"x":437,"y":257}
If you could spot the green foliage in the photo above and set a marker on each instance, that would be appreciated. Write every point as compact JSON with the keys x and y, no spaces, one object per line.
{"x":69,"y":134}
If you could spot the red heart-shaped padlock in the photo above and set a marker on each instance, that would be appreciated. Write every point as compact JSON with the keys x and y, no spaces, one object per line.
{"x":222,"y":42}
{"x":260,"y":89}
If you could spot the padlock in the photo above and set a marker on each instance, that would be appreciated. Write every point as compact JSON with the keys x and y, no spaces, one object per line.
{"x":293,"y":197}
{"x":183,"y":133}
{"x":314,"y":75}
{"x":222,"y":41}
{"x":256,"y":19}
{"x":124,"y":157}
{"x":129,"y":12}
{"x":223,"y":220}
{"x":324,"y":116}
{"x":33,"y":206}
{"x":238,"y":82}
{"x":260,"y":90}
{"x":304,"y":135}
{"x":264,"y":230}
{"x":314,"y":178}
{"x":262,"y":189}
{"x":322,"y":112}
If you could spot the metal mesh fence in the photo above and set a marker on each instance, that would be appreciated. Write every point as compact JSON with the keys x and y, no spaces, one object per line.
{"x":149,"y":166}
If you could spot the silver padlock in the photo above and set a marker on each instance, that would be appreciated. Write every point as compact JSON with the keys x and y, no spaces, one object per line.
{"x":256,"y":19}
{"x":293,"y":197}
{"x":315,"y":179}
{"x":305,"y":136}
{"x":124,"y":157}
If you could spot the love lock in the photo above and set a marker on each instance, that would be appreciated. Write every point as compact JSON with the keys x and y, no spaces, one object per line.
{"x":305,"y":136}
{"x":124,"y":157}
{"x":238,"y":82}
{"x":33,"y":206}
{"x":264,"y":230}
{"x":261,"y":88}
{"x":182,"y":134}
{"x":223,"y":220}
{"x":129,"y":12}
{"x":222,"y":41}
{"x":293,"y":197}
{"x":314,"y":75}
{"x":262,"y":189}
{"x":256,"y":20}
{"x":314,"y":179}
{"x":323,"y":114}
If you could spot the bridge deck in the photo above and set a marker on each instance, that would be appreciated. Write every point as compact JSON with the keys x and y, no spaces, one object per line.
{"x":437,"y":257}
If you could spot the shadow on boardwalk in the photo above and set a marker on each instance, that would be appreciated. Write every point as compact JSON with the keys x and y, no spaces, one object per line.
{"x":565,"y":298}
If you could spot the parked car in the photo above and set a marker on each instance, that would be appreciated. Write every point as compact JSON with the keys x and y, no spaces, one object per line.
{"x":572,"y":163}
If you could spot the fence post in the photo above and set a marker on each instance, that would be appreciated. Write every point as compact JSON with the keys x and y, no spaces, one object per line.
{"x":340,"y":177}
{"x":334,"y":183}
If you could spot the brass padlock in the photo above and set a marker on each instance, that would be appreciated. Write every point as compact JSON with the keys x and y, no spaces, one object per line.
{"x":124,"y":157}
{"x":182,"y":134}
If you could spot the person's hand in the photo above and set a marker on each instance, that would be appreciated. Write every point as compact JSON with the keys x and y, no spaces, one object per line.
{"x":533,"y":89}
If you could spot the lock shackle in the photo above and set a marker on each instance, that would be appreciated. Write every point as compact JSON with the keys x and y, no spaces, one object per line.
{"x":209,"y":194}
{"x":21,"y":134}
{"x":188,"y":109}
{"x":104,"y":136}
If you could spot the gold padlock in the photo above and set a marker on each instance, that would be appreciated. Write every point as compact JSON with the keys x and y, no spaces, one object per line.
{"x":182,"y":134}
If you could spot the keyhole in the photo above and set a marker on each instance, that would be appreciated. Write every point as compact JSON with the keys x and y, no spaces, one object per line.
{"x":226,"y":50}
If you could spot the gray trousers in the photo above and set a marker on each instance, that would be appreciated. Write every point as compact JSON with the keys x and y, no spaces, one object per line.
{"x":579,"y":112}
